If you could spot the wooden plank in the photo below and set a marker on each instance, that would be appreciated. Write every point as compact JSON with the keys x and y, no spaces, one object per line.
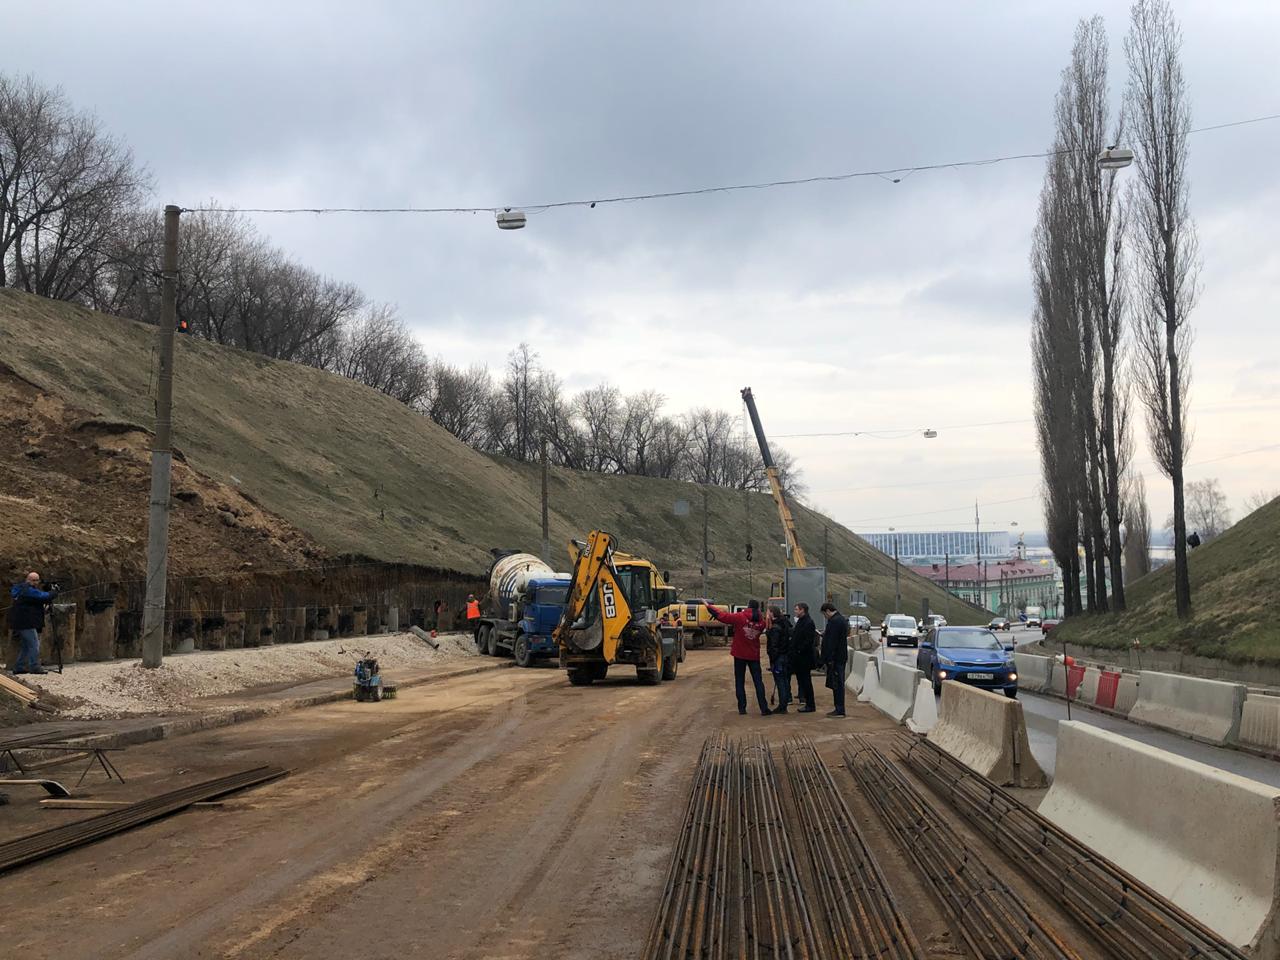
{"x":17,"y":689}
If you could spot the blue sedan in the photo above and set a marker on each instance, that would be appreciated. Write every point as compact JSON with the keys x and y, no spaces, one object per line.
{"x":971,"y":655}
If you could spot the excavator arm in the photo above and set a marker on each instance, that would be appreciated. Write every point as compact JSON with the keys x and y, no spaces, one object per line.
{"x":596,"y":612}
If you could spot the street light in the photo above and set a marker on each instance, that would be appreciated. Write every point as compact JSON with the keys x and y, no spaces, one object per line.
{"x":509,"y":219}
{"x":1115,"y":158}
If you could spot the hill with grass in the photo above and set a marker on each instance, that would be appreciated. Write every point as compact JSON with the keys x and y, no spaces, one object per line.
{"x":1235,"y":586}
{"x":319,"y":463}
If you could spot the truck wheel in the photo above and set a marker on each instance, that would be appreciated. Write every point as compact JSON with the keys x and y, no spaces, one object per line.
{"x":580,"y":676}
{"x":669,"y":666}
{"x":482,"y":640}
{"x":494,"y":651}
{"x":649,"y":676}
{"x":522,"y":655}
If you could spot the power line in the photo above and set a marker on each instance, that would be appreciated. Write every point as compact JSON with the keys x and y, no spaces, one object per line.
{"x":900,"y":432}
{"x":892,"y":174}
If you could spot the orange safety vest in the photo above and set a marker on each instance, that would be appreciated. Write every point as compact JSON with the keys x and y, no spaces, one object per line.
{"x":473,"y":609}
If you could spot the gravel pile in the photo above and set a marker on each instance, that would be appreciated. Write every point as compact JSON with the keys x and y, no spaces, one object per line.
{"x":123,"y":688}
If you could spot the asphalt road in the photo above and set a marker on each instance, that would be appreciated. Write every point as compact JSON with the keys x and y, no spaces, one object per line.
{"x":1043,"y":714}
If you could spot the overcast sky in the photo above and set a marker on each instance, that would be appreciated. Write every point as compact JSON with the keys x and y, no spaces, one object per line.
{"x":862,"y":305}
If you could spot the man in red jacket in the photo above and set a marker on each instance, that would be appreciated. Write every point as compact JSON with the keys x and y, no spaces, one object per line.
{"x":748,"y":628}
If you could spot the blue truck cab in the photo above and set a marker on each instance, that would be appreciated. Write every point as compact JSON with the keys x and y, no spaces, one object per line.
{"x":527,"y":637}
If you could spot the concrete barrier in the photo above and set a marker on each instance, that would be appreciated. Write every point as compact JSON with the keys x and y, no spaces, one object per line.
{"x":1260,"y":723}
{"x":924,"y":712}
{"x":1207,"y":710}
{"x":896,"y":692}
{"x":1126,"y":693}
{"x":1034,"y":673}
{"x":1206,"y":839}
{"x":1088,"y":692}
{"x":870,"y":680}
{"x":987,"y":733}
{"x":857,"y":670}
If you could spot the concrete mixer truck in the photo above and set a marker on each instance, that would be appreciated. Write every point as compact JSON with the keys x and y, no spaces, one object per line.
{"x":522,"y":608}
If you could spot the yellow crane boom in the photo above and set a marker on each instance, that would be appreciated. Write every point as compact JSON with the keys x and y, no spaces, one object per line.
{"x":795,"y":553}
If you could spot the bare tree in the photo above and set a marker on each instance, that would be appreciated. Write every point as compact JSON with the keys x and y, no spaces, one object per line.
{"x":1207,"y":510}
{"x":66,"y":192}
{"x":460,"y":400}
{"x":1165,"y":251}
{"x":1258,"y":500}
{"x":1137,"y":533}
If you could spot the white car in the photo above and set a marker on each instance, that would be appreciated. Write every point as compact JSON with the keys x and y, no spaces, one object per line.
{"x":1033,"y":621}
{"x":900,"y":628}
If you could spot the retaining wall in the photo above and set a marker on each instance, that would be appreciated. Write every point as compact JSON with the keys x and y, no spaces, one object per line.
{"x":1207,"y":710}
{"x":987,"y":733}
{"x":896,"y":692}
{"x":1206,"y":839}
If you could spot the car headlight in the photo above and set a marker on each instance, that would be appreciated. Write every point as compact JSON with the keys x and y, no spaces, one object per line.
{"x":945,"y":661}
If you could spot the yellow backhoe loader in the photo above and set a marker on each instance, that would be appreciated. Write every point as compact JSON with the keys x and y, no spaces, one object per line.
{"x":611,"y":615}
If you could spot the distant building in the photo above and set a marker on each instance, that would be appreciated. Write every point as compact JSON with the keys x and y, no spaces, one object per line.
{"x":937,"y":546}
{"x":1001,"y":586}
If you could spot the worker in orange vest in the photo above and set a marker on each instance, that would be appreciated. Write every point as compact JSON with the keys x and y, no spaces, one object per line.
{"x":473,"y":611}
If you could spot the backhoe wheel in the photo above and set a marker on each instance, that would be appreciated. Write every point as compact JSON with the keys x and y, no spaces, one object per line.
{"x":649,"y":676}
{"x":697,"y":639}
{"x":523,"y":657}
{"x":670,"y":665}
{"x":599,"y":671}
{"x":580,"y":676}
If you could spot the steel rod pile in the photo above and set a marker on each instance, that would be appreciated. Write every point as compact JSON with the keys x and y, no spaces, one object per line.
{"x":863,"y":919}
{"x":990,"y":918}
{"x":691,"y":919}
{"x":773,"y":920}
{"x":1127,"y":917}
{"x":46,"y":843}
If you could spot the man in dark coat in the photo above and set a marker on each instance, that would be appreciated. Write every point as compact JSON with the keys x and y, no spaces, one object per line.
{"x":778,"y":643}
{"x":835,"y":653}
{"x":800,"y":656}
{"x":26,"y":620}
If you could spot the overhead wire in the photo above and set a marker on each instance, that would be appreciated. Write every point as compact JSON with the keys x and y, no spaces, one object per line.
{"x":892,"y":174}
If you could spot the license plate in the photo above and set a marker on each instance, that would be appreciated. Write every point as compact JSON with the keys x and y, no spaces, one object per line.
{"x":981,"y":676}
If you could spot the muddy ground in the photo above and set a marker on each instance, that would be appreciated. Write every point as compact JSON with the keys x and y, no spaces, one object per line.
{"x":502,"y":815}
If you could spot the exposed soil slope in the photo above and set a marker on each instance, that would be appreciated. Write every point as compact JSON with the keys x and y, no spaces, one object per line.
{"x":363,"y":474}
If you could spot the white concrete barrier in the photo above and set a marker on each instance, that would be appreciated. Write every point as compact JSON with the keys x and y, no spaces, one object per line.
{"x":987,"y":733}
{"x":1206,"y":839}
{"x":896,"y":693}
{"x":1034,"y":672}
{"x":858,"y":670}
{"x":870,"y":680}
{"x":1088,"y":692}
{"x":1260,"y":722}
{"x":924,"y":712}
{"x":1126,"y":693}
{"x":1207,"y":710}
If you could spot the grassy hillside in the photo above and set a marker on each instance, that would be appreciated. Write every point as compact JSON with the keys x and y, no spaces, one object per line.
{"x":361,"y":474}
{"x":1235,"y":586}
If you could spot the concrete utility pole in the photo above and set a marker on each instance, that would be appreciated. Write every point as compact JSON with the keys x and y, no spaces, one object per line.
{"x":897,"y":591}
{"x":546,"y":523}
{"x":946,"y":558}
{"x":977,"y":563}
{"x":705,"y":550}
{"x":161,"y":452}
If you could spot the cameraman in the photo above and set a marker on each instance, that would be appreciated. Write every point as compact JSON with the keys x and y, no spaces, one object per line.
{"x":26,"y":620}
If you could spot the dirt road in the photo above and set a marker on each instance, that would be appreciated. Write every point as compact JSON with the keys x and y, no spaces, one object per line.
{"x":501,"y":815}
